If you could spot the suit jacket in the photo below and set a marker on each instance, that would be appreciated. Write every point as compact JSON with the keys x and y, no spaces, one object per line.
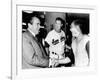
{"x":33,"y":55}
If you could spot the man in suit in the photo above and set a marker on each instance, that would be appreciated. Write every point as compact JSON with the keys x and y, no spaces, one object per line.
{"x":33,"y":55}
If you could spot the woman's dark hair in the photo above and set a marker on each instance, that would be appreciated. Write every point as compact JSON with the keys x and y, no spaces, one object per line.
{"x":83,"y":25}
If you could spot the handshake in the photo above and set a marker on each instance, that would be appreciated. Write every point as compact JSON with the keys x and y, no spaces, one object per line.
{"x":53,"y":62}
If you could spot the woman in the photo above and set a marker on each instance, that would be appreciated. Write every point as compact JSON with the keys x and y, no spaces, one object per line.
{"x":80,"y":43}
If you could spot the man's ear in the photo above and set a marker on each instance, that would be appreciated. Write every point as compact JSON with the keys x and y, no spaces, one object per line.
{"x":29,"y":25}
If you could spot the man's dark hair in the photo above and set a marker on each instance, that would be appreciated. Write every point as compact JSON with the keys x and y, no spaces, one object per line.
{"x":59,"y":19}
{"x":83,"y":25}
{"x":31,"y":18}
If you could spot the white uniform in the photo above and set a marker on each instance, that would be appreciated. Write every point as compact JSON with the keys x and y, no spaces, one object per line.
{"x":80,"y":53}
{"x":57,"y":42}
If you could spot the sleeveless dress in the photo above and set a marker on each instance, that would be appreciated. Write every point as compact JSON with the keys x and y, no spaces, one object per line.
{"x":80,"y":53}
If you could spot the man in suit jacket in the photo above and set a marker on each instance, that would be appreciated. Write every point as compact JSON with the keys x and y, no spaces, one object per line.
{"x":33,"y":54}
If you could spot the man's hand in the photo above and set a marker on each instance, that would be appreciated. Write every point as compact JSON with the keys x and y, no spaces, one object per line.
{"x":56,"y":62}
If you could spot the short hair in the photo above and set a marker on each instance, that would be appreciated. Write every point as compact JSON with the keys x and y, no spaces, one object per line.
{"x":31,"y":18}
{"x":59,"y":19}
{"x":83,"y":25}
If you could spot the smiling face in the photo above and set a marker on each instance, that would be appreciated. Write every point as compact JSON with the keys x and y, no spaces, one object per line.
{"x":58,"y":26}
{"x":75,"y":30}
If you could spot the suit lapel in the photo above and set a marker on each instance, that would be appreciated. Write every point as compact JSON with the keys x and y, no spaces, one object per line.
{"x":38,"y":43}
{"x":43,"y":52}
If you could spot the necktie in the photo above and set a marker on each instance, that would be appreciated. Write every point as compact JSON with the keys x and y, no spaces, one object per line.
{"x":39,"y":44}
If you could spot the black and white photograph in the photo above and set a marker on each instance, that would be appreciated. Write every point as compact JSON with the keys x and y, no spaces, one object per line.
{"x":52,"y":40}
{"x":55,"y":39}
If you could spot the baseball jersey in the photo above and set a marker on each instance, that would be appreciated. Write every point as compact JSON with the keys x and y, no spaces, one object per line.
{"x":57,"y":42}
